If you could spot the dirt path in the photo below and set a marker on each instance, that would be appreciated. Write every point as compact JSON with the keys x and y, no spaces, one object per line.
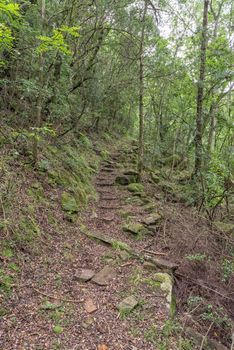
{"x":94,"y":284}
{"x":53,"y":308}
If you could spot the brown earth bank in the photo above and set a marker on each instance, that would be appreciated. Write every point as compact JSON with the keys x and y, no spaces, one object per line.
{"x":72,"y":286}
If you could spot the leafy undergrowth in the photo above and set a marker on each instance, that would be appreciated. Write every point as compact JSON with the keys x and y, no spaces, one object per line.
{"x":35,"y":201}
{"x":202,"y":248}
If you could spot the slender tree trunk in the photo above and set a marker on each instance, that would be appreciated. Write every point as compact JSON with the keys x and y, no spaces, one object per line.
{"x":40,"y":98}
{"x":214,"y":105}
{"x":141,"y":94}
{"x":200,"y":92}
{"x":213,"y":125}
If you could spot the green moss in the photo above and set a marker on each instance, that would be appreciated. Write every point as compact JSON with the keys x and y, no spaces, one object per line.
{"x":69,"y":203}
{"x":7,"y":252}
{"x":125,"y":214}
{"x":6,"y":282}
{"x":135,"y":187}
{"x":36,"y":191}
{"x":27,"y":230}
{"x":105,"y":154}
{"x":118,"y":245}
{"x":135,"y":228}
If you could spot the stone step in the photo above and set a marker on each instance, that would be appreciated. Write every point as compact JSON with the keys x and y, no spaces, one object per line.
{"x":108,"y":170}
{"x":103,"y":184}
{"x":109,"y":208}
{"x":109,"y":199}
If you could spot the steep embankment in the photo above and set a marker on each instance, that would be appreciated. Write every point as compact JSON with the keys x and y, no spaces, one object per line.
{"x":102,"y":278}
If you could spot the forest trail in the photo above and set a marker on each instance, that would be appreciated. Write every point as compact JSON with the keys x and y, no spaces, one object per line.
{"x":106,"y":281}
{"x":66,"y":301}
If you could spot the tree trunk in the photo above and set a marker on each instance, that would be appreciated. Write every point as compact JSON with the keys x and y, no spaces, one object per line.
{"x":213,"y":125}
{"x":141,"y":94}
{"x":40,"y":98}
{"x":200,"y":92}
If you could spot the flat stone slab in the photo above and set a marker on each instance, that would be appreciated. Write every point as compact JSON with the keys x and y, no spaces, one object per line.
{"x":128,"y":304}
{"x":162,"y":263}
{"x":99,"y":237}
{"x":89,"y":305}
{"x":103,"y":277}
{"x":84,"y":275}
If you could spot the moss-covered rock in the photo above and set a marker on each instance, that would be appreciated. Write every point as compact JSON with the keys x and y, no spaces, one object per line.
{"x":152,"y":219}
{"x":135,"y":187}
{"x":69,"y":203}
{"x":125,"y":213}
{"x":150,"y":207}
{"x":167,"y":286}
{"x":135,"y":228}
{"x":127,"y":305}
{"x":122,"y":180}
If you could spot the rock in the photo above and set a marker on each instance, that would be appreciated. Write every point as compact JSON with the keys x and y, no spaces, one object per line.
{"x":69,"y":203}
{"x":162,"y":263}
{"x":135,"y":228}
{"x":131,"y":172}
{"x":167,"y":287}
{"x":125,"y":214}
{"x":87,"y":322}
{"x":152,"y":219}
{"x":149,"y":266}
{"x":166,"y":284}
{"x":124,"y":255}
{"x":102,"y":347}
{"x":84,"y":275}
{"x":150,"y":207}
{"x":103,"y":277}
{"x":89,"y":305}
{"x":127,"y":305}
{"x":122,"y":180}
{"x":108,"y":219}
{"x":135,"y":187}
{"x":97,"y":236}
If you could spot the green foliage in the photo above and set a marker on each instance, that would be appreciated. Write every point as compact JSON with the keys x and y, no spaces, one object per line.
{"x":228,"y":269}
{"x":58,"y":329}
{"x":218,"y":316}
{"x":6,"y":282}
{"x":9,"y":14}
{"x":49,"y":306}
{"x":57,"y":40}
{"x":196,"y":257}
